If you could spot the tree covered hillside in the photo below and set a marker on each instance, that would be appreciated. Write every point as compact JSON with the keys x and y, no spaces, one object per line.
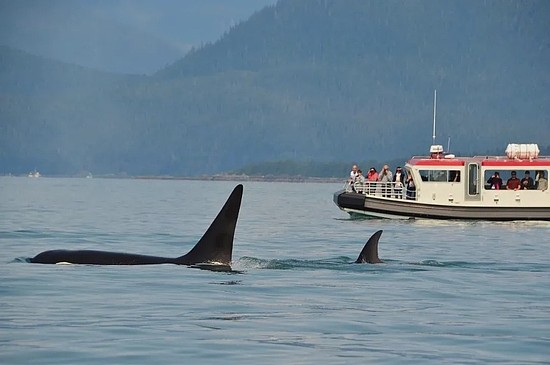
{"x":310,"y":80}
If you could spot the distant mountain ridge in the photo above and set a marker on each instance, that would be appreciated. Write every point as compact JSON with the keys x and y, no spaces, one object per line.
{"x":131,"y":37}
{"x":303,"y":80}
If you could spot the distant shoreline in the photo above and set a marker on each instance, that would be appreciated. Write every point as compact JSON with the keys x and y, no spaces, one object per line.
{"x":266,"y":178}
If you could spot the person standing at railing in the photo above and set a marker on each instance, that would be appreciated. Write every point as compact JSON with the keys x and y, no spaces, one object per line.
{"x":372,"y":177}
{"x":352,"y":176}
{"x":410,"y":188}
{"x":398,"y":182}
{"x":386,"y":177}
{"x":353,"y":172}
{"x":359,"y":184}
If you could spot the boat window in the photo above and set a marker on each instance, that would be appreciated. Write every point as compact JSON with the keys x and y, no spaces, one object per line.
{"x":440,"y":175}
{"x":454,"y":175}
{"x":536,"y":174}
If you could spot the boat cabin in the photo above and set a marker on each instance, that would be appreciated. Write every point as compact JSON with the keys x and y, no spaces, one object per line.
{"x":448,"y":179}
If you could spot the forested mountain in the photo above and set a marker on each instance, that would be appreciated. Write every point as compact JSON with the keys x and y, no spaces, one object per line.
{"x":309,"y":80}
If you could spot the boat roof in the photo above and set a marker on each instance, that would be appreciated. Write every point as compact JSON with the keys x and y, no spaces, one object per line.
{"x":486,"y":161}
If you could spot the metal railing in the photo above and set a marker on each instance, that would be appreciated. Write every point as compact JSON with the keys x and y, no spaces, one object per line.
{"x":394,"y":190}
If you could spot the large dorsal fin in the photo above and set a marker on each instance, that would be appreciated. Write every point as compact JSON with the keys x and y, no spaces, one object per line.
{"x":216,"y":245}
{"x":369,"y":254}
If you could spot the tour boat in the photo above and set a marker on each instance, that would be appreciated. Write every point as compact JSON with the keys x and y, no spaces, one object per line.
{"x":448,"y":187}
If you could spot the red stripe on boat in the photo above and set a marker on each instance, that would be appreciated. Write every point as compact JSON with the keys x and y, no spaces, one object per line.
{"x":437,"y":162}
{"x":512,"y":163}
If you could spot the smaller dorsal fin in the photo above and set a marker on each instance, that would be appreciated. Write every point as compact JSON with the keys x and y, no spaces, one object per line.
{"x":369,"y":254}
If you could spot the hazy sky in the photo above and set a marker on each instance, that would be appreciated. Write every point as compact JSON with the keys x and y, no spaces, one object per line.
{"x":132,"y":36}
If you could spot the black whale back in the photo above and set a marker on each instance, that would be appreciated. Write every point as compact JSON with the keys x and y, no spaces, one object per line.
{"x":215,"y":246}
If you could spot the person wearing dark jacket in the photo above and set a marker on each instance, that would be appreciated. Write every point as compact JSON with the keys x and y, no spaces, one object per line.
{"x":410,"y":188}
{"x":398,"y":182}
{"x":527,"y":182}
{"x":495,"y":182}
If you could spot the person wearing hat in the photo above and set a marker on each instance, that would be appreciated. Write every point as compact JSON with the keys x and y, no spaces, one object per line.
{"x":513,"y":182}
{"x":527,"y":182}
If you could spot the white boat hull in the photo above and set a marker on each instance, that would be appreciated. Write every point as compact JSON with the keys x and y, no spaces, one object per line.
{"x":380,"y":207}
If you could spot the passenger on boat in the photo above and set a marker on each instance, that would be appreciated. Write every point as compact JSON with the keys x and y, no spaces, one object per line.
{"x":495,"y":182}
{"x":372,"y":175}
{"x":454,"y":176}
{"x":513,"y":182}
{"x":542,"y":183}
{"x":352,"y":175}
{"x":399,"y":182}
{"x":527,"y":182}
{"x":386,"y":177}
{"x":410,"y":188}
{"x":353,"y":172}
{"x":436,"y":154}
{"x":359,"y":183}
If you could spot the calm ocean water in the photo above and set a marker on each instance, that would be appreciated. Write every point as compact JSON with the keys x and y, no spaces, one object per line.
{"x":449,"y":292}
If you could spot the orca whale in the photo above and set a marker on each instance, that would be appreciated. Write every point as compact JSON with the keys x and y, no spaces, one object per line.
{"x":369,"y":253}
{"x":213,"y":251}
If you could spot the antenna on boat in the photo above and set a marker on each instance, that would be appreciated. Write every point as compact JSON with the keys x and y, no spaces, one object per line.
{"x":436,"y":151}
{"x":449,"y":144}
{"x":435,"y":104}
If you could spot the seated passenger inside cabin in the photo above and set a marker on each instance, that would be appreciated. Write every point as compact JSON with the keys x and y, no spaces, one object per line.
{"x":527,"y":182}
{"x":495,"y":182}
{"x":542,"y":182}
{"x":513,"y":182}
{"x":454,"y":176}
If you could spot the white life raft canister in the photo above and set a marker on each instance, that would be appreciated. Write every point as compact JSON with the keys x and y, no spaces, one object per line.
{"x":522,"y":151}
